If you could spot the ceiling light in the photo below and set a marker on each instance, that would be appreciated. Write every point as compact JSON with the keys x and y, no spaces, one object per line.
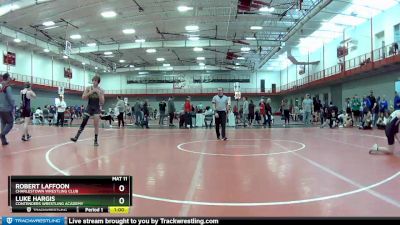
{"x":95,"y":67}
{"x":192,"y":28}
{"x":75,"y":36}
{"x":170,"y":68}
{"x":196,"y":49}
{"x":83,"y":63}
{"x":17,"y":40}
{"x":144,"y":72}
{"x":194,"y":38}
{"x":121,"y":60}
{"x":166,"y":64}
{"x":140,"y":40}
{"x":267,"y":9}
{"x":184,"y":8}
{"x":202,"y":64}
{"x":65,"y":57}
{"x":108,"y":14}
{"x":201,"y":58}
{"x":48,"y":23}
{"x":129,"y":31}
{"x":137,"y":68}
{"x":131,"y":66}
{"x":241,"y":58}
{"x":251,"y":38}
{"x":237,"y":64}
{"x":160,"y":59}
{"x":108,"y":53}
{"x":256,"y":28}
{"x":46,"y":50}
{"x":104,"y":71}
{"x":93,"y":44}
{"x":245,"y":49}
{"x":48,"y":28}
{"x":109,"y":56}
{"x":151,"y":50}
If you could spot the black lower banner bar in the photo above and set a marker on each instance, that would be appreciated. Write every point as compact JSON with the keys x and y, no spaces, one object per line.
{"x":80,"y":209}
{"x":206,"y":221}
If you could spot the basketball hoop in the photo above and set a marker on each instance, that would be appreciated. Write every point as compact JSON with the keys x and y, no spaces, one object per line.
{"x":236,"y":87}
{"x":67,"y":49}
{"x":60,"y":90}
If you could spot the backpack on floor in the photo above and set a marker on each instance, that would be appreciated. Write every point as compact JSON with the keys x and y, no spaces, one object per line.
{"x":181,"y":120}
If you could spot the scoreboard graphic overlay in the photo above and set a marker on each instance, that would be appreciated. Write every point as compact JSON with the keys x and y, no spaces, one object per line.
{"x":87,"y":194}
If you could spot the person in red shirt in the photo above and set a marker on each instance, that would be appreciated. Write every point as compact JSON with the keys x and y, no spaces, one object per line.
{"x":236,"y":113}
{"x":262,"y":112}
{"x":187,"y":109}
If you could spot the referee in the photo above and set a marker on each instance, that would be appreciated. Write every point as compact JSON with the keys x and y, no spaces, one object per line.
{"x":220,"y":107}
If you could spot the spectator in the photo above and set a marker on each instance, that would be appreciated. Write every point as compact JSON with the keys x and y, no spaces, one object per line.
{"x":137,"y":109}
{"x":396,"y":102}
{"x":162,"y":106}
{"x":367,"y":122}
{"x":251,"y":112}
{"x":395,"y":48}
{"x":146,"y":114}
{"x":187,"y":109}
{"x":128,"y":112}
{"x":61,"y":106}
{"x":38,"y":115}
{"x":333,"y":113}
{"x":208,"y":117}
{"x":286,"y":110}
{"x":7,"y":107}
{"x":383,"y":106}
{"x":171,"y":110}
{"x":121,"y":110}
{"x":308,"y":108}
{"x":46,"y":114}
{"x":355,"y":108}
{"x":381,"y":122}
{"x":263,"y":112}
{"x":245,"y":111}
{"x":373,"y":102}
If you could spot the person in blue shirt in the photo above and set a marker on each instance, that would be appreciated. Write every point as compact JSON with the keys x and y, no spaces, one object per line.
{"x":383,"y":106}
{"x":366,"y":104}
{"x":396,"y":102}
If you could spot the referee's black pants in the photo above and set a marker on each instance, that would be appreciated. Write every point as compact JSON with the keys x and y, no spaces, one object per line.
{"x":221,"y":120}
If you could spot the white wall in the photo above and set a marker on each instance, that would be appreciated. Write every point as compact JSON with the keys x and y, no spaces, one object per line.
{"x":43,"y":66}
{"x":384,"y":21}
{"x":116,"y":81}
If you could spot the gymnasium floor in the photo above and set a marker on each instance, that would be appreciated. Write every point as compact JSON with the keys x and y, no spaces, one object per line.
{"x":258,"y":172}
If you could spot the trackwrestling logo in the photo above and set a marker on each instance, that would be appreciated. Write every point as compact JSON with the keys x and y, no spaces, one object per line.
{"x":33,"y":220}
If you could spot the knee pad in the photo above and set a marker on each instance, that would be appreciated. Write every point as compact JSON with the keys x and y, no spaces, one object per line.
{"x":85,"y":120}
{"x":86,"y":116}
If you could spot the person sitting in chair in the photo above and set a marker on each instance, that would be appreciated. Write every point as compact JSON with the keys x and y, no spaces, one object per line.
{"x":106,"y":117}
{"x":208,"y":116}
{"x":38,"y":115}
